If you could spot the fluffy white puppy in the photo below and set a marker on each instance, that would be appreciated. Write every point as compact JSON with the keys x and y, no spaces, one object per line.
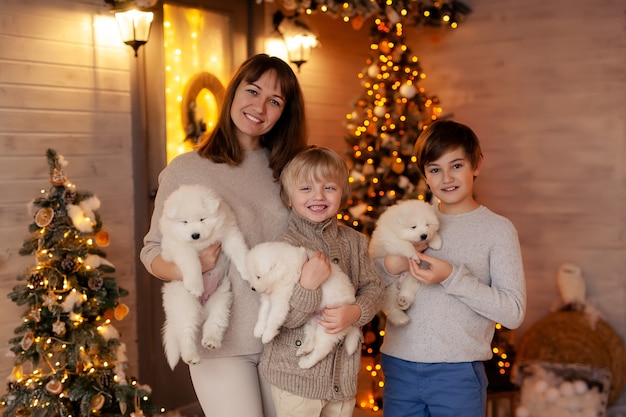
{"x":274,"y":271}
{"x":195,"y":217}
{"x":398,"y":229}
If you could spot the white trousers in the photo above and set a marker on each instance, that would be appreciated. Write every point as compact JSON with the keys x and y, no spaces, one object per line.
{"x":290,"y":405}
{"x":232,"y":386}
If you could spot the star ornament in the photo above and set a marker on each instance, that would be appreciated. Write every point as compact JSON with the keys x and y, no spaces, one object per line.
{"x":58,"y":327}
{"x":49,"y":300}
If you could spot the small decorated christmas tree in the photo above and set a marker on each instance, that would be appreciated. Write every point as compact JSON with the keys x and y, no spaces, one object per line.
{"x":69,"y":360}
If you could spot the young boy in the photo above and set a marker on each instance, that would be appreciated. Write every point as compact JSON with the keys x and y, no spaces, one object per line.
{"x":315,"y":186}
{"x":433,"y":365}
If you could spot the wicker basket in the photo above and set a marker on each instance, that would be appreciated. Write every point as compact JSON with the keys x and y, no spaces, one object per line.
{"x":567,"y":337}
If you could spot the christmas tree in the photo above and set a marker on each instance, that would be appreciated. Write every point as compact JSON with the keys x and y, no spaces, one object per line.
{"x":386,"y":120}
{"x":69,"y":360}
{"x":388,"y":116}
{"x":499,"y":367}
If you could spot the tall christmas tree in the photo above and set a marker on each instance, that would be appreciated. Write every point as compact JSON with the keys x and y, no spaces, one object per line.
{"x":388,"y":116}
{"x":391,"y":112}
{"x":69,"y":360}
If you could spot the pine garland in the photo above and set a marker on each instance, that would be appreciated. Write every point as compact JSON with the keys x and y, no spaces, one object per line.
{"x":413,"y":12}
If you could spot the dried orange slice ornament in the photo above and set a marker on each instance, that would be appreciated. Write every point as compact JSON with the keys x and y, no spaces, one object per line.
{"x":44,"y":217}
{"x":97,"y":402}
{"x":121,"y":311}
{"x":102,"y":238}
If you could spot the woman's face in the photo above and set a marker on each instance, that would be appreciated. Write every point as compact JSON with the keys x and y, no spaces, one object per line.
{"x":256,"y":108}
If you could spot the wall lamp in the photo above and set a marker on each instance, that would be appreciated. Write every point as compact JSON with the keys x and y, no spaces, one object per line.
{"x":134,"y":26}
{"x":298,"y":37}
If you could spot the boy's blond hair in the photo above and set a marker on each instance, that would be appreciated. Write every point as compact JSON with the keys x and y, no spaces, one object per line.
{"x":315,"y":163}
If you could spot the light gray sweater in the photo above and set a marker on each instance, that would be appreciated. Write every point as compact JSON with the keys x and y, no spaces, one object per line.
{"x":252,"y":193}
{"x":453,"y":321}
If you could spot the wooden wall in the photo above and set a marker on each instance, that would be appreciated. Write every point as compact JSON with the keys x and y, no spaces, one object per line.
{"x":542,"y":84}
{"x":64,"y":84}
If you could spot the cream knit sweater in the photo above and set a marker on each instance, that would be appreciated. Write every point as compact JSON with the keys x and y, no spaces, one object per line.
{"x":334,"y":377}
{"x":252,"y":193}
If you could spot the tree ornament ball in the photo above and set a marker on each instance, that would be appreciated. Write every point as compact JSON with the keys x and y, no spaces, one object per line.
{"x":384,"y":47}
{"x":368,"y":169}
{"x":357,"y":22}
{"x":373,"y":70}
{"x":408,"y":91}
{"x":379,"y":111}
{"x":398,"y":167}
{"x":392,"y":15}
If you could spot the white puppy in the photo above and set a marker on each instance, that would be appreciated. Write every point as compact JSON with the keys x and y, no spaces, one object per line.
{"x":195,"y":217}
{"x":274,"y":271}
{"x":398,"y":229}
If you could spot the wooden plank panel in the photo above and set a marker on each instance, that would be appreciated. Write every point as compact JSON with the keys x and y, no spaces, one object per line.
{"x":63,"y":76}
{"x":66,"y":143}
{"x":37,"y":98}
{"x":38,"y":121}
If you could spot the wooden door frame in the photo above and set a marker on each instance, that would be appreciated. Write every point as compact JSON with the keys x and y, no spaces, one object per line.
{"x":172,"y":390}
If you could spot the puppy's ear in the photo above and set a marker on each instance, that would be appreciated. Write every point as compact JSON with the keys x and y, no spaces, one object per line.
{"x":211,"y":201}
{"x":169,"y":209}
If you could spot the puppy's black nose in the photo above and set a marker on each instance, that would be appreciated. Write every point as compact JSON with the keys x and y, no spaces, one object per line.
{"x":424,"y":236}
{"x":195,"y":236}
{"x":253,"y":289}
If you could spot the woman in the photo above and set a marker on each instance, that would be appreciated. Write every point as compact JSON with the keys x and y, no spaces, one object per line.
{"x":260,"y":128}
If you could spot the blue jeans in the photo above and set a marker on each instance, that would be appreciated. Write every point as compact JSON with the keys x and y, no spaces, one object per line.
{"x":414,"y":389}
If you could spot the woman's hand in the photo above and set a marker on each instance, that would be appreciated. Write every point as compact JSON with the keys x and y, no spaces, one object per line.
{"x":168,"y":271}
{"x":209,"y":255}
{"x":315,"y":271}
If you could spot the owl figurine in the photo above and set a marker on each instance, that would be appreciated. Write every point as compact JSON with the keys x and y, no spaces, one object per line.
{"x":571,"y":285}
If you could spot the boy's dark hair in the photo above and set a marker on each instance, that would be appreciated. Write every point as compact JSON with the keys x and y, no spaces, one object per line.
{"x":442,"y":136}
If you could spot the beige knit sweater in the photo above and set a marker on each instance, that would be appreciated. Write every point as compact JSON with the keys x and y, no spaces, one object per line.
{"x":252,"y":193}
{"x":335,"y":377}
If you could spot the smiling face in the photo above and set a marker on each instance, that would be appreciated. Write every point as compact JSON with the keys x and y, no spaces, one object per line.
{"x":451,"y":179}
{"x":256,"y":108}
{"x":316,"y":199}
